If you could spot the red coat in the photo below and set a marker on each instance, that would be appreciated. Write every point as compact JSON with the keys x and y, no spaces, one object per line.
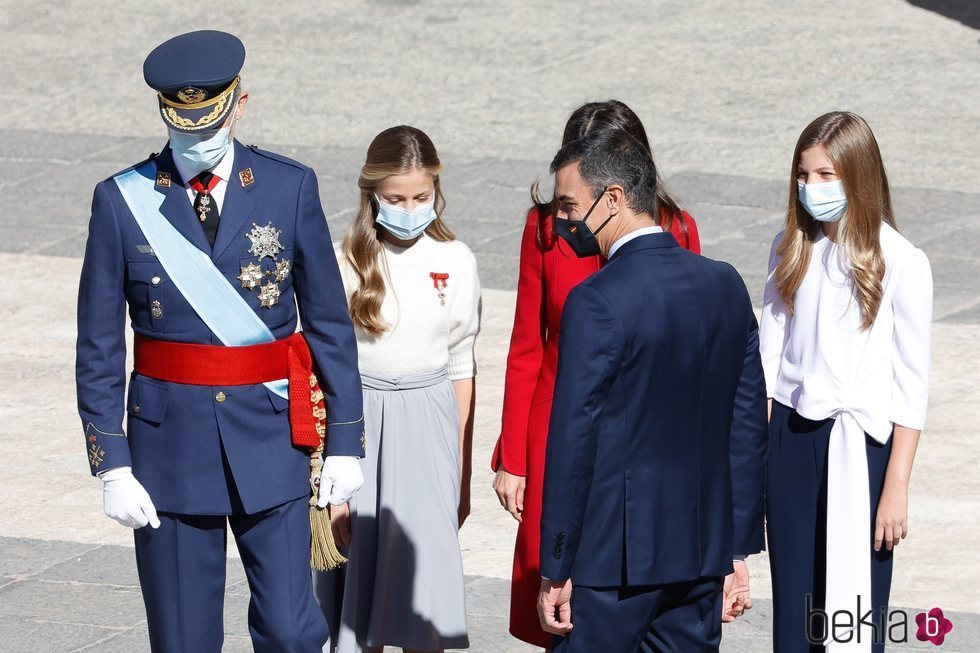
{"x":547,"y":275}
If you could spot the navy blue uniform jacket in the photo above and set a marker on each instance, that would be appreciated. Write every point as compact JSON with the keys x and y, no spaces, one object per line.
{"x":655,"y":466}
{"x":192,"y":450}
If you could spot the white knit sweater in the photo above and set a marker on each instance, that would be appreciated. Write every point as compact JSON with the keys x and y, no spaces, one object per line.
{"x":424,"y":333}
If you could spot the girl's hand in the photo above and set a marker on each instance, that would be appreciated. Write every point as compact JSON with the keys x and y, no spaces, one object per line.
{"x":340,"y":524}
{"x":891,"y":522}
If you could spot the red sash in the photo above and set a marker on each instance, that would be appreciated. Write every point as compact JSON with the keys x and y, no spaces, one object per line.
{"x":289,"y":358}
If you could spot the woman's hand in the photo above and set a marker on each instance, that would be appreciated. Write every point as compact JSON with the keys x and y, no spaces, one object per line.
{"x":510,"y":492}
{"x":340,"y":524}
{"x":891,"y":522}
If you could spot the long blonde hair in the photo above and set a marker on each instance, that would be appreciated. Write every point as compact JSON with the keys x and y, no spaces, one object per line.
{"x":394,"y":151}
{"x":852,"y":148}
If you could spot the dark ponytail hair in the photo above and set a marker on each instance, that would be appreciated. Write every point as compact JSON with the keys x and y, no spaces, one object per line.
{"x":611,"y":114}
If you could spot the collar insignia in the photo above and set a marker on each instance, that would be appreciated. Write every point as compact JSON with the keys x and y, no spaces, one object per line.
{"x":246,"y":177}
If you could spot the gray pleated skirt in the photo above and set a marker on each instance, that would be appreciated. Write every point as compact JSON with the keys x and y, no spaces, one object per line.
{"x":404,"y":581}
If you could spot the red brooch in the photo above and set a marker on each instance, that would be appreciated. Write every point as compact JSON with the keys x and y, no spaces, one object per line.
{"x":439,"y":283}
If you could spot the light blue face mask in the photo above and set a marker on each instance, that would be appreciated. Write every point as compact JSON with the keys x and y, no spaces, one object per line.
{"x":402,"y":223}
{"x":201,"y":152}
{"x":825,"y":201}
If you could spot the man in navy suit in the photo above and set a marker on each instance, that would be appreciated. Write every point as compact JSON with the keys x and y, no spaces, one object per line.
{"x":212,"y":439}
{"x":654,"y":475}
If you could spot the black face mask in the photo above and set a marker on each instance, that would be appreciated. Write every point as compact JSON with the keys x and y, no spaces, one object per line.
{"x":577,"y":233}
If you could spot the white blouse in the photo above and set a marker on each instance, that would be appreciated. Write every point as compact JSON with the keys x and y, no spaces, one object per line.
{"x":433,"y":322}
{"x":821,"y":363}
{"x":884,"y":369}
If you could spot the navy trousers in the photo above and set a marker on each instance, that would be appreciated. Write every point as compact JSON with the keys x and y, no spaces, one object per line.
{"x":796,"y":518}
{"x":182,"y":575}
{"x":675,"y":618}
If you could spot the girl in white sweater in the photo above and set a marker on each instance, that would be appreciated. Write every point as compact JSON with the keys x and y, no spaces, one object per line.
{"x":414,"y":298}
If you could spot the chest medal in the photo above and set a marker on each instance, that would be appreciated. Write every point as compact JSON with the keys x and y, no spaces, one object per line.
{"x":265,"y":244}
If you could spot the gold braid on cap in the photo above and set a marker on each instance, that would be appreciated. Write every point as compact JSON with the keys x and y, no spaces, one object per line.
{"x":169,"y":108}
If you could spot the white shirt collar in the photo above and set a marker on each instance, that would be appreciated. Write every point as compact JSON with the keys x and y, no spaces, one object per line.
{"x":222,"y":170}
{"x":653,"y":229}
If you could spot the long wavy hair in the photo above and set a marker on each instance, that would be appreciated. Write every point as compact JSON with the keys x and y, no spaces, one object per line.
{"x":852,"y":148}
{"x":611,"y":114}
{"x":395,"y":151}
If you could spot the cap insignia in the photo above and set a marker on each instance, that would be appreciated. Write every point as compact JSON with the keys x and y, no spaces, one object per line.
{"x":191,"y":95}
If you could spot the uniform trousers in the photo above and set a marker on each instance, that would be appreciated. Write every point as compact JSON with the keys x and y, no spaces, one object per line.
{"x":796,"y":518}
{"x":181,"y":568}
{"x":673,"y":618}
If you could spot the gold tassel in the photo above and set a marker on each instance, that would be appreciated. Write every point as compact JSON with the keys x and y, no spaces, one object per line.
{"x":324,"y":555}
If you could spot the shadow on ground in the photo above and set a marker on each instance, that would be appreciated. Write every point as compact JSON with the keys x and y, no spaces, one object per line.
{"x":963,"y":11}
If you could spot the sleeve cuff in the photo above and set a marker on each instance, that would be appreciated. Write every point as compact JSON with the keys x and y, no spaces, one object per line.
{"x":106,"y":450}
{"x":908,"y":419}
{"x":345,"y":439}
{"x":461,"y":365}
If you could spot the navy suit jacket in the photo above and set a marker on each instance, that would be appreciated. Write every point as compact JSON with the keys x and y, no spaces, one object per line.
{"x":655,"y":465}
{"x":193,"y":453}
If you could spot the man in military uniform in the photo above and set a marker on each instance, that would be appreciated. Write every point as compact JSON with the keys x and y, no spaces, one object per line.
{"x":216,"y":248}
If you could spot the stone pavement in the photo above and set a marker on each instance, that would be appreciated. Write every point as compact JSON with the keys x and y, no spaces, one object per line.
{"x":724,"y":89}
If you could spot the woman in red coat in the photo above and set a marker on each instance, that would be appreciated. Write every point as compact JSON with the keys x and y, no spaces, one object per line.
{"x":549,"y":270}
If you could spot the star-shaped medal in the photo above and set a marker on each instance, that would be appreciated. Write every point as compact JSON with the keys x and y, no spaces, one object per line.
{"x":282,"y":269}
{"x":251,"y":276}
{"x":265,"y":241}
{"x":269,"y":295}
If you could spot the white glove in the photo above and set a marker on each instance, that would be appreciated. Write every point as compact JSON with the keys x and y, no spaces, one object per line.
{"x":340,"y":478}
{"x":125,"y":500}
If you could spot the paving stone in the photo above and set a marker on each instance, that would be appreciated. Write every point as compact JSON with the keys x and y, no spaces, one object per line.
{"x":19,"y":635}
{"x":965,"y":316}
{"x":72,"y":603}
{"x":134,"y":640}
{"x":24,"y":557}
{"x":488,"y":597}
{"x":35,"y":236}
{"x":106,"y":565}
{"x":70,"y":245}
{"x":41,"y":145}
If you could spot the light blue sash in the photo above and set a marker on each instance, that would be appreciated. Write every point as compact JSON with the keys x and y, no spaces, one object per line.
{"x":204,"y":287}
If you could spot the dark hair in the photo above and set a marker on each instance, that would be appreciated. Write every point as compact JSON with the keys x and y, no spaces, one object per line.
{"x":608,"y":157}
{"x":603,"y":115}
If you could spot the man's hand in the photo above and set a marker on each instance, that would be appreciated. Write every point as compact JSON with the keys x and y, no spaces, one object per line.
{"x":340,"y":524}
{"x":555,"y":597}
{"x":510,"y":492}
{"x":125,"y":500}
{"x":340,"y":478}
{"x":736,"y":598}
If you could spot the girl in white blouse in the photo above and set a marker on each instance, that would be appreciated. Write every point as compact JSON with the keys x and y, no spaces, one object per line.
{"x":414,"y":298}
{"x":844,"y":337}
